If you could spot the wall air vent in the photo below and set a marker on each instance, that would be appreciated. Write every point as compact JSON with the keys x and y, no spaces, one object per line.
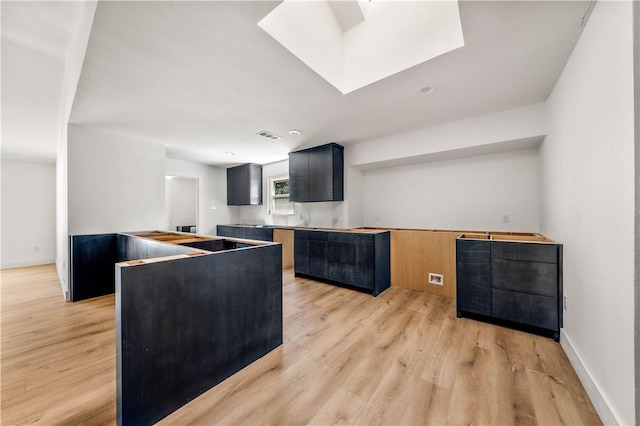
{"x":269,"y":135}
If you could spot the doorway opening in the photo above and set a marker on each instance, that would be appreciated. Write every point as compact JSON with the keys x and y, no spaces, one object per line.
{"x":181,"y":202}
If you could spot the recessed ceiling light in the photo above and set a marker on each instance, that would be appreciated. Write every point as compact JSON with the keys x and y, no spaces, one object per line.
{"x":295,"y":132}
{"x":427,"y":90}
{"x":230,"y":153}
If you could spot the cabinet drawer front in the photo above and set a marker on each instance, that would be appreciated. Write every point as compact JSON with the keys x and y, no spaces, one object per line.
{"x":259,"y":234}
{"x":341,"y":253}
{"x":311,"y":235}
{"x":230,"y":231}
{"x":530,"y":309}
{"x":531,"y":252}
{"x":342,"y":237}
{"x":527,"y":277}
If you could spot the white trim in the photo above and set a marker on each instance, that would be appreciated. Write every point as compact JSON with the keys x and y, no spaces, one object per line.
{"x":598,"y":399}
{"x":271,"y":197}
{"x":27,"y":262}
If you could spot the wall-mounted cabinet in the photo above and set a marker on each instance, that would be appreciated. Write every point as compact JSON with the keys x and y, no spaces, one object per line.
{"x":317,"y":174}
{"x":244,"y":185}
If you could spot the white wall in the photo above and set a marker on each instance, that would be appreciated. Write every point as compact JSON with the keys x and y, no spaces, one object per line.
{"x":587,"y":169}
{"x":212,"y":192}
{"x":467,"y":193}
{"x":73,"y":67}
{"x":512,"y":129}
{"x":28,"y":213}
{"x":325,"y":214}
{"x":116,"y":183}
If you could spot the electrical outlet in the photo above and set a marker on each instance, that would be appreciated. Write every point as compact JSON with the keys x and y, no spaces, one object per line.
{"x":505,"y":218}
{"x":564,"y":302}
{"x":377,"y":218}
{"x":436,"y":279}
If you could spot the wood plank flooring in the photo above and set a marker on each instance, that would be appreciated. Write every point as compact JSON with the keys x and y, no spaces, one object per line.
{"x":348,"y":358}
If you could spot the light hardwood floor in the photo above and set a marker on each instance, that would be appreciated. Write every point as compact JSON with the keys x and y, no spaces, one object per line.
{"x":348,"y":358}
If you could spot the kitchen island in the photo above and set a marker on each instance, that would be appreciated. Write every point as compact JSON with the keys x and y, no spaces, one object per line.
{"x":190,"y":311}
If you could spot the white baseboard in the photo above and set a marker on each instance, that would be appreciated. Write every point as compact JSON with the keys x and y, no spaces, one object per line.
{"x":27,"y":262}
{"x":598,"y":399}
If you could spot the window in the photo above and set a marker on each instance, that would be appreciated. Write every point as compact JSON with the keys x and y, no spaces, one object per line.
{"x":279,"y":203}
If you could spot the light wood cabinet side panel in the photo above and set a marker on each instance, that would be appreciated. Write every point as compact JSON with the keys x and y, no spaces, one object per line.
{"x":409,"y":249}
{"x":416,"y":253}
{"x":285,"y":237}
{"x":442,"y":260}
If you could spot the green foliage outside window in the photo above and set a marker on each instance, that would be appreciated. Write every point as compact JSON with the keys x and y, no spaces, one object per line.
{"x":281,"y":187}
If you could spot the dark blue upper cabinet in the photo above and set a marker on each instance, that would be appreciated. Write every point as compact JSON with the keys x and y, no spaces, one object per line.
{"x":244,"y":185}
{"x":317,"y":174}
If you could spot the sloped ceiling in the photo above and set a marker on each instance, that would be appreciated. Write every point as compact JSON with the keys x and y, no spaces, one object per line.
{"x":202,"y":78}
{"x":35,"y":38}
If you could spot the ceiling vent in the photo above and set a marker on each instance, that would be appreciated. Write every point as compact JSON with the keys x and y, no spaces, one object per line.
{"x":269,"y":135}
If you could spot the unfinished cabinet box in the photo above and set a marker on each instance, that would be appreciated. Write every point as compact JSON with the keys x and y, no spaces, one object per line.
{"x":317,"y":174}
{"x":515,"y":281}
{"x":244,"y":185}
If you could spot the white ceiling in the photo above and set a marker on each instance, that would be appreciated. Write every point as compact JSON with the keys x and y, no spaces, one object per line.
{"x":203,"y":78}
{"x":391,"y":37}
{"x":35,"y":38}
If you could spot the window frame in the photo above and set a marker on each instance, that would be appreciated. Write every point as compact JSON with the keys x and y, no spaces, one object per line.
{"x":272,"y":196}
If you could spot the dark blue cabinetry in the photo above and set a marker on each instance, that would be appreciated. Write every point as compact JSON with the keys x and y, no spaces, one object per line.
{"x":517,"y":282}
{"x":248,"y":232}
{"x":355,"y":259}
{"x":473,"y":276}
{"x":244,"y":185}
{"x":317,"y":174}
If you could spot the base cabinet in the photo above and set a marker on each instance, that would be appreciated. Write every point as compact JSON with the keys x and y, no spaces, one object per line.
{"x":518,"y":282}
{"x":248,"y":232}
{"x":473,"y":270}
{"x":355,"y":259}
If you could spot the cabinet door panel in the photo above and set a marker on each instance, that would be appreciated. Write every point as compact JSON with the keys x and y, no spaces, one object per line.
{"x":299,"y":176}
{"x":301,"y":256}
{"x":321,"y":174}
{"x":365,"y":261}
{"x":341,"y":253}
{"x":530,"y":309}
{"x":527,"y":277}
{"x":233,"y":191}
{"x":342,"y":273}
{"x":473,"y":276}
{"x":318,"y":259}
{"x":338,"y":174}
{"x":221,"y":231}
